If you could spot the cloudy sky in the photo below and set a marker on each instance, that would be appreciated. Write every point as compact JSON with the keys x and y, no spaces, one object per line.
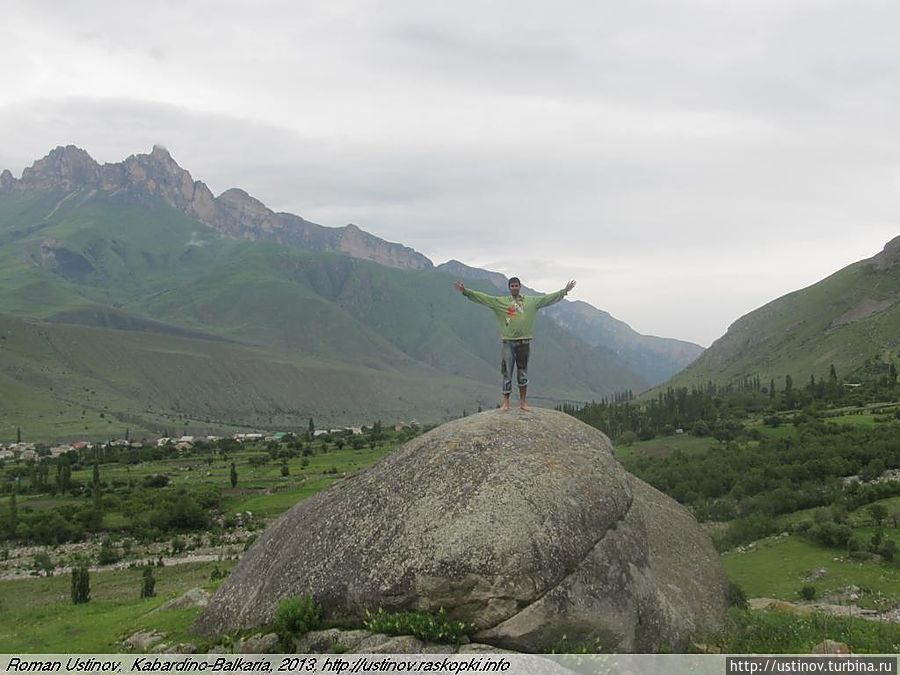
{"x":685,"y":161}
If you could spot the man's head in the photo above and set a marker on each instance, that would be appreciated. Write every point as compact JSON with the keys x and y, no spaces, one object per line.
{"x":515,"y":286}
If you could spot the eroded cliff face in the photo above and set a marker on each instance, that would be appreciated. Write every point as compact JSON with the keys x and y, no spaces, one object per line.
{"x":234,"y":213}
{"x":889,"y":257}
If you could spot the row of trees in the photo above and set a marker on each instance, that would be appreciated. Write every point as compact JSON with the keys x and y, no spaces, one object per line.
{"x":150,"y":511}
{"x":714,"y":409}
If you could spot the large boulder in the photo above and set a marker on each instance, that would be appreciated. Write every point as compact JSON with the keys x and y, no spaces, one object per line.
{"x":523,"y":524}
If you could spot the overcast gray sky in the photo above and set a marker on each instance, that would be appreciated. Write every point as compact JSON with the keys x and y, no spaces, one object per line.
{"x":686,"y":161}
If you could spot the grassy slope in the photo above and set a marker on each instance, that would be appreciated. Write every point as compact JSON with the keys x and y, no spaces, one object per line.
{"x":319,"y":334}
{"x":799,"y":334}
{"x":48,"y":622}
{"x":148,"y":382}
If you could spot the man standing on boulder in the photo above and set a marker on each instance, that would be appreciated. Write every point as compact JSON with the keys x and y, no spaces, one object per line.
{"x":515,"y":314}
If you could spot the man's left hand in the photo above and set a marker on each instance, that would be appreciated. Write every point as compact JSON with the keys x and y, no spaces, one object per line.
{"x":570,"y":285}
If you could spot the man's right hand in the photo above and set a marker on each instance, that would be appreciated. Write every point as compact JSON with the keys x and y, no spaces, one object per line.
{"x":458,"y":285}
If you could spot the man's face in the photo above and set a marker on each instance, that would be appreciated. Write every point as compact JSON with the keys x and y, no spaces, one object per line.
{"x":514,"y":288}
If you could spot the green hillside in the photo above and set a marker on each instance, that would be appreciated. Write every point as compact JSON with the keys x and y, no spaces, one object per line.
{"x":846,"y":319}
{"x":125,"y":306}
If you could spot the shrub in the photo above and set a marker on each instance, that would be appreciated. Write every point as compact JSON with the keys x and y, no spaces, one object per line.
{"x":43,"y":563}
{"x":107,"y":555}
{"x":888,"y":550}
{"x":296,"y":616}
{"x":148,"y":583}
{"x":81,"y":585}
{"x":735,"y":595}
{"x":701,"y":429}
{"x":156,"y":481}
{"x":808,"y":592}
{"x":433,"y":627}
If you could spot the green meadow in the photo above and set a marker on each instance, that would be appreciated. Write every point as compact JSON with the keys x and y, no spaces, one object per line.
{"x":37,"y":615}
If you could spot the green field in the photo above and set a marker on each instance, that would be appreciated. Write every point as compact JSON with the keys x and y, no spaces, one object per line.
{"x":775,"y":567}
{"x":37,"y":616}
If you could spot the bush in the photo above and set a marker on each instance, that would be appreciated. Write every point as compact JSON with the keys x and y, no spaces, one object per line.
{"x":433,"y":627}
{"x":108,"y":555}
{"x":808,"y":592}
{"x":296,"y":616}
{"x":736,"y":596}
{"x":831,"y":534}
{"x":81,"y":585}
{"x":148,"y":583}
{"x":888,"y":550}
{"x":700,"y":429}
{"x":156,"y":481}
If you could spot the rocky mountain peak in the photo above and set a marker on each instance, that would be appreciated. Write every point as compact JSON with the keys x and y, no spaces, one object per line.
{"x":236,"y":196}
{"x":68,"y":167}
{"x":890,"y":256}
{"x":235,"y":213}
{"x":161,"y":154}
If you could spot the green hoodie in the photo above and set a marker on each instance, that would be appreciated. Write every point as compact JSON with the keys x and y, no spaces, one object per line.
{"x":515,"y":316}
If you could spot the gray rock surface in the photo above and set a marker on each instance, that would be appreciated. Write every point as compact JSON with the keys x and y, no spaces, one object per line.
{"x":196,"y":597}
{"x":258,"y":644}
{"x":143,"y":640}
{"x":522,"y":524}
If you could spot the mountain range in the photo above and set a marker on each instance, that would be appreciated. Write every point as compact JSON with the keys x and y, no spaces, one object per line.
{"x":848,"y":320}
{"x":131,"y":296}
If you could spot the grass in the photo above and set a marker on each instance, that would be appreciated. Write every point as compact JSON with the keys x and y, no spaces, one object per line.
{"x":776,"y":566}
{"x":773,"y":632}
{"x":47,"y":622}
{"x":665,"y":446}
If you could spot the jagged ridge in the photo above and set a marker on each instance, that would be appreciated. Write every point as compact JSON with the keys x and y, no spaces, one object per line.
{"x":233,"y":213}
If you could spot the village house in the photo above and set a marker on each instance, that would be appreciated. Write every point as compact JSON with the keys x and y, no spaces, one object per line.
{"x":240,"y":438}
{"x":61,"y":450}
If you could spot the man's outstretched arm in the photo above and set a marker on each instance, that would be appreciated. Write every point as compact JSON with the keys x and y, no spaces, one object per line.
{"x":481,"y":298}
{"x":551,"y":298}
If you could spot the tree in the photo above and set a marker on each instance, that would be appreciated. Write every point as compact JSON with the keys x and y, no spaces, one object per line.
{"x":19,"y":434}
{"x":43,"y":563}
{"x":234,"y":476}
{"x":832,"y":374}
{"x":81,"y":585}
{"x":13,"y":518}
{"x":311,"y":428}
{"x":95,"y":486}
{"x":148,"y":583}
{"x":788,"y":391}
{"x":878,"y":513}
{"x":63,"y":474}
{"x":285,"y":470}
{"x":628,"y":437}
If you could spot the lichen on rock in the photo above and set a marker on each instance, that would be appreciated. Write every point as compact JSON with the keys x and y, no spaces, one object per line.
{"x":523,"y":525}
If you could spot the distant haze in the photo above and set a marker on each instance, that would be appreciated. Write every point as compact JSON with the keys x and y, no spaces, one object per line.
{"x":685,"y":162}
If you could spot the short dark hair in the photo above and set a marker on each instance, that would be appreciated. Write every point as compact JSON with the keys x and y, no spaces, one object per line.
{"x":514,"y":280}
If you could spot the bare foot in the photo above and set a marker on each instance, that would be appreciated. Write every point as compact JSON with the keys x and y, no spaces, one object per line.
{"x":524,"y":406}
{"x":504,"y":407}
